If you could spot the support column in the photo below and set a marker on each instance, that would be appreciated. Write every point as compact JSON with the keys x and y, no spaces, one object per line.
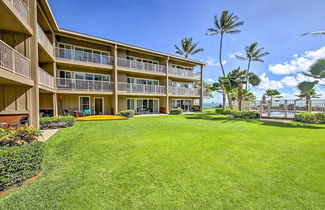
{"x":201,"y":93}
{"x":115,"y":82}
{"x":55,"y":104}
{"x":34,"y":102}
{"x":167,"y":85}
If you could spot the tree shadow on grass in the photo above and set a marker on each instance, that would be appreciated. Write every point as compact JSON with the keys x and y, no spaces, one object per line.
{"x":225,"y":119}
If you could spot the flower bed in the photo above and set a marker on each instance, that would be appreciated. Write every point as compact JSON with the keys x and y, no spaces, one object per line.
{"x":100,"y":118}
{"x":56,"y":122}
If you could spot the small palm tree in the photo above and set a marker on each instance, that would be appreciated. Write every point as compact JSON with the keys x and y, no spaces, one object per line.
{"x":187,"y":47}
{"x":273,"y":93}
{"x":309,"y":93}
{"x":317,"y":72}
{"x":219,"y":87}
{"x":252,"y":54}
{"x":227,"y":24}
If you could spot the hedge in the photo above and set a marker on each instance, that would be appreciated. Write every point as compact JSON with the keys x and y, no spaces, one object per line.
{"x":307,"y":117}
{"x":176,"y":111}
{"x":56,"y":122}
{"x":19,"y":163}
{"x":236,"y":113}
{"x":126,"y":113}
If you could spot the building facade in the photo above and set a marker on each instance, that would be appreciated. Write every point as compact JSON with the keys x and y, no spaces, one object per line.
{"x":51,"y":71}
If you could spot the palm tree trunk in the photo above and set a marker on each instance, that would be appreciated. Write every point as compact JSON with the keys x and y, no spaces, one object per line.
{"x":223,"y":100}
{"x":240,"y":97}
{"x":229,"y":100}
{"x":247,"y":77}
{"x":220,"y":55}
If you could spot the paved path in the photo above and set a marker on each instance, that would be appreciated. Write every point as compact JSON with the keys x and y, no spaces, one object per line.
{"x":277,"y":120}
{"x":47,"y":134}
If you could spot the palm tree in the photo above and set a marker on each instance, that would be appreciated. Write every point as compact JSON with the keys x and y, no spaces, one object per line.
{"x":317,"y":72}
{"x":187,"y":47}
{"x":314,"y":33}
{"x":207,"y":90}
{"x":219,"y":87}
{"x":238,"y":78}
{"x":273,"y":93}
{"x":309,"y":93}
{"x":226,"y":25}
{"x":248,"y":96}
{"x":252,"y":54}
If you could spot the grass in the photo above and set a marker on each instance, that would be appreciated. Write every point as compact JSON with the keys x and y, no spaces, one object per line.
{"x":180,"y":162}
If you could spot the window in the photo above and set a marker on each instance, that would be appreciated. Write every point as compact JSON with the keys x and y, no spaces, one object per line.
{"x":142,"y":81}
{"x":79,"y":75}
{"x":84,"y":103}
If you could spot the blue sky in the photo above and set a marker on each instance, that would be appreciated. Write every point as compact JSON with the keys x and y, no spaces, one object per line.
{"x":159,"y":24}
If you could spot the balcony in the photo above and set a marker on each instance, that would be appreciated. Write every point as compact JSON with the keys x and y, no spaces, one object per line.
{"x":11,"y":60}
{"x":141,"y":66}
{"x":44,"y":40}
{"x":84,"y":85}
{"x":80,"y":56}
{"x":184,"y":91}
{"x":141,"y":88}
{"x":45,"y":79}
{"x":183,"y":73}
{"x":21,"y":8}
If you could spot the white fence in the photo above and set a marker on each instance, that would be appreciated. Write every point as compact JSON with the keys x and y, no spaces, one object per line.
{"x":13,"y":61}
{"x":139,"y":65}
{"x":76,"y":55}
{"x":183,"y":72}
{"x":45,"y":78}
{"x":84,"y":85}
{"x":184,"y":91}
{"x":44,"y":40}
{"x":141,"y":88}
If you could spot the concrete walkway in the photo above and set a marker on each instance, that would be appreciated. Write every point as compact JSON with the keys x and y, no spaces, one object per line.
{"x":47,"y":134}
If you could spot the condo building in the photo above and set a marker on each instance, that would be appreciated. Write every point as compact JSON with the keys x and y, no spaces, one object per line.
{"x":48,"y":71}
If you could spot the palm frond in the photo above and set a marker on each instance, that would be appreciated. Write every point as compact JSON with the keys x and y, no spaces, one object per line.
{"x":314,"y":33}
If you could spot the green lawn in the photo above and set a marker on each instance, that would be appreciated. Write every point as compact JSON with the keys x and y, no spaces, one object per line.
{"x":180,"y":162}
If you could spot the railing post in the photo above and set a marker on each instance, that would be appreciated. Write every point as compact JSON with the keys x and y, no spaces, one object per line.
{"x":285,"y":108}
{"x":269,"y":108}
{"x":294,"y":108}
{"x":13,"y":61}
{"x":261,"y":108}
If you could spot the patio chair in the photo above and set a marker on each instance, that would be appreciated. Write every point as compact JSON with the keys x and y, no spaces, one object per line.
{"x":87,"y":112}
{"x":24,"y":121}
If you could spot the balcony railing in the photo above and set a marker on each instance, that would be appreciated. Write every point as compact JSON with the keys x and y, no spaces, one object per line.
{"x":45,"y":78}
{"x":183,"y":73}
{"x":81,"y":56}
{"x":21,"y":8}
{"x":44,"y":40}
{"x":13,"y":61}
{"x":139,"y":65}
{"x":84,"y":85}
{"x":141,"y":88}
{"x":184,"y":91}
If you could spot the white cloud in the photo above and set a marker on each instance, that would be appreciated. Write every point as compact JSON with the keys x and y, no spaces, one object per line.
{"x":298,"y":63}
{"x":266,"y":83}
{"x":213,"y":62}
{"x":210,"y":80}
{"x":293,"y":81}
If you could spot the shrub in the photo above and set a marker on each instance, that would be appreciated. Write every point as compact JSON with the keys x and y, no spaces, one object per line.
{"x":307,"y":117}
{"x":10,"y":137}
{"x":19,"y":163}
{"x":176,"y":111}
{"x":56,"y":122}
{"x":236,"y":113}
{"x":126,"y":113}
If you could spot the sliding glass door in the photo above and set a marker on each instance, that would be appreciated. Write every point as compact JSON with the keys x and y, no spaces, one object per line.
{"x":143,"y":106}
{"x":184,"y":104}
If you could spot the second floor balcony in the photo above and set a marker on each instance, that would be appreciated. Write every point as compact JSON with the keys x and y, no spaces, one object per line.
{"x":141,"y":88}
{"x":82,"y":56}
{"x":44,"y":40}
{"x":183,"y":73}
{"x":21,"y":8}
{"x":140,"y":65}
{"x":184,"y":91}
{"x":45,"y":79}
{"x":84,"y":85}
{"x":11,"y":60}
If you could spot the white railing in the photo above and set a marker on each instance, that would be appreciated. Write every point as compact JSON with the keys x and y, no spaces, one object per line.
{"x":141,"y":88}
{"x":45,"y":78}
{"x":75,"y":55}
{"x":139,"y":65}
{"x":21,"y":8}
{"x":84,"y":85}
{"x":44,"y":40}
{"x":184,"y":91}
{"x":183,"y":72}
{"x":13,"y":61}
